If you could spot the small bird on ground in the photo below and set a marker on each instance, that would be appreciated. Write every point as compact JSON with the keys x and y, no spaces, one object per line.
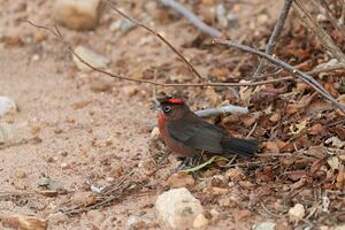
{"x":188,"y":135}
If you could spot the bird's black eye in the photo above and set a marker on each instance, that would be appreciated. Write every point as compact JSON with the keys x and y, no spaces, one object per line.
{"x":166,"y":109}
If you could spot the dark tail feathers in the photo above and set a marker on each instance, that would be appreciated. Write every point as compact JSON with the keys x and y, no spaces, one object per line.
{"x":240,"y":146}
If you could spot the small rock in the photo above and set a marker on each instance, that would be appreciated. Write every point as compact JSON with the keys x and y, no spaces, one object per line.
{"x":200,"y":221}
{"x":57,"y":218}
{"x":50,"y":184}
{"x":123,"y":25}
{"x":265,"y":226}
{"x":215,"y":214}
{"x":7,"y":105}
{"x":101,"y":85}
{"x":35,"y":57}
{"x":138,"y":222}
{"x":235,"y":175}
{"x":130,"y":90}
{"x":20,"y":174}
{"x":17,"y":221}
{"x":297,"y":212}
{"x":77,"y":14}
{"x":91,"y":57}
{"x":96,"y":217}
{"x":155,"y":134}
{"x":178,"y":180}
{"x":340,"y":227}
{"x":177,"y":209}
{"x":83,"y":199}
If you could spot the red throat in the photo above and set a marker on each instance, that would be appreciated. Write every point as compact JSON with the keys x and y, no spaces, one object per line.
{"x":161,"y":120}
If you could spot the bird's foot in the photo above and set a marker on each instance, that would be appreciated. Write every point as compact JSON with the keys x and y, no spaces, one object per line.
{"x":188,"y":162}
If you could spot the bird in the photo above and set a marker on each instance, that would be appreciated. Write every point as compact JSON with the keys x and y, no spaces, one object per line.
{"x":187,"y":135}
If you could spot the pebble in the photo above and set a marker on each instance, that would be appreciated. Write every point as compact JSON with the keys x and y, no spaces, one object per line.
{"x":265,"y":226}
{"x":91,"y":57}
{"x":101,"y":85}
{"x":7,"y":105}
{"x":123,"y":25}
{"x":178,"y":180}
{"x":178,"y":209}
{"x":297,"y":212}
{"x":77,"y":14}
{"x":130,"y":90}
{"x":20,"y":174}
{"x":200,"y":221}
{"x":154,"y":134}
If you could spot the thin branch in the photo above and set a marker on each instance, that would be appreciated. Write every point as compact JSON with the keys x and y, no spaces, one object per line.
{"x":59,"y":36}
{"x":192,"y":18}
{"x":295,"y":72}
{"x":159,"y":36}
{"x":222,"y":110}
{"x":275,"y":34}
{"x":314,"y":26}
{"x":338,"y":26}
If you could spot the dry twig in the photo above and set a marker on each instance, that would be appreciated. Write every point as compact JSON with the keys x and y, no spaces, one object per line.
{"x":299,"y":74}
{"x":192,"y":18}
{"x":314,"y":26}
{"x":158,"y":35}
{"x":275,"y":34}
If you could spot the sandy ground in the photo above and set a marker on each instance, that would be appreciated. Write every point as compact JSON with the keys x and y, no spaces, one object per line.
{"x":77,"y":127}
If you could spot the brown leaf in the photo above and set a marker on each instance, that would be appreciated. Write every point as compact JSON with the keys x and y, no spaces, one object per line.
{"x":22,"y":222}
{"x":316,"y":129}
{"x":296,"y":175}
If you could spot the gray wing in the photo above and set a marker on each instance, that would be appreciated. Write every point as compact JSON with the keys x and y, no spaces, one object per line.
{"x":199,"y":135}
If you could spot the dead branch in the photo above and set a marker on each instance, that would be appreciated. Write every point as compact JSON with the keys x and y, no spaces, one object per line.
{"x":275,"y":34}
{"x":295,"y":72}
{"x":321,"y":4}
{"x":158,"y":35}
{"x":314,"y":26}
{"x":59,"y":36}
{"x":222,"y":110}
{"x":192,"y":18}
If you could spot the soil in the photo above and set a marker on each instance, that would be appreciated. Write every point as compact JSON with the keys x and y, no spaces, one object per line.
{"x":80,"y":128}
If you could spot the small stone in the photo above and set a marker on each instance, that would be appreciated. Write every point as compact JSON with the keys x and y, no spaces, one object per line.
{"x":96,"y":217}
{"x":215,"y":214}
{"x":200,"y":221}
{"x":340,"y":227}
{"x":20,"y":174}
{"x":64,"y":165}
{"x":35,"y":57}
{"x":77,"y":14}
{"x":7,"y":105}
{"x":57,"y":218}
{"x":177,"y":209}
{"x":101,"y":85}
{"x":135,"y":222}
{"x":155,"y":134}
{"x":297,"y":212}
{"x":130,"y":90}
{"x":265,"y":226}
{"x":235,"y":175}
{"x":83,"y":199}
{"x":91,"y":57}
{"x":178,"y":180}
{"x":123,"y":25}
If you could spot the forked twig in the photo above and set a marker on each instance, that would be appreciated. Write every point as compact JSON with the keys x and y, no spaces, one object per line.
{"x":313,"y":25}
{"x":275,"y":34}
{"x":295,"y":72}
{"x":59,"y":36}
{"x":158,"y":35}
{"x":195,"y":20}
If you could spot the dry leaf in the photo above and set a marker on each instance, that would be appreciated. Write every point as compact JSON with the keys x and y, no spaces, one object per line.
{"x":22,"y":222}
